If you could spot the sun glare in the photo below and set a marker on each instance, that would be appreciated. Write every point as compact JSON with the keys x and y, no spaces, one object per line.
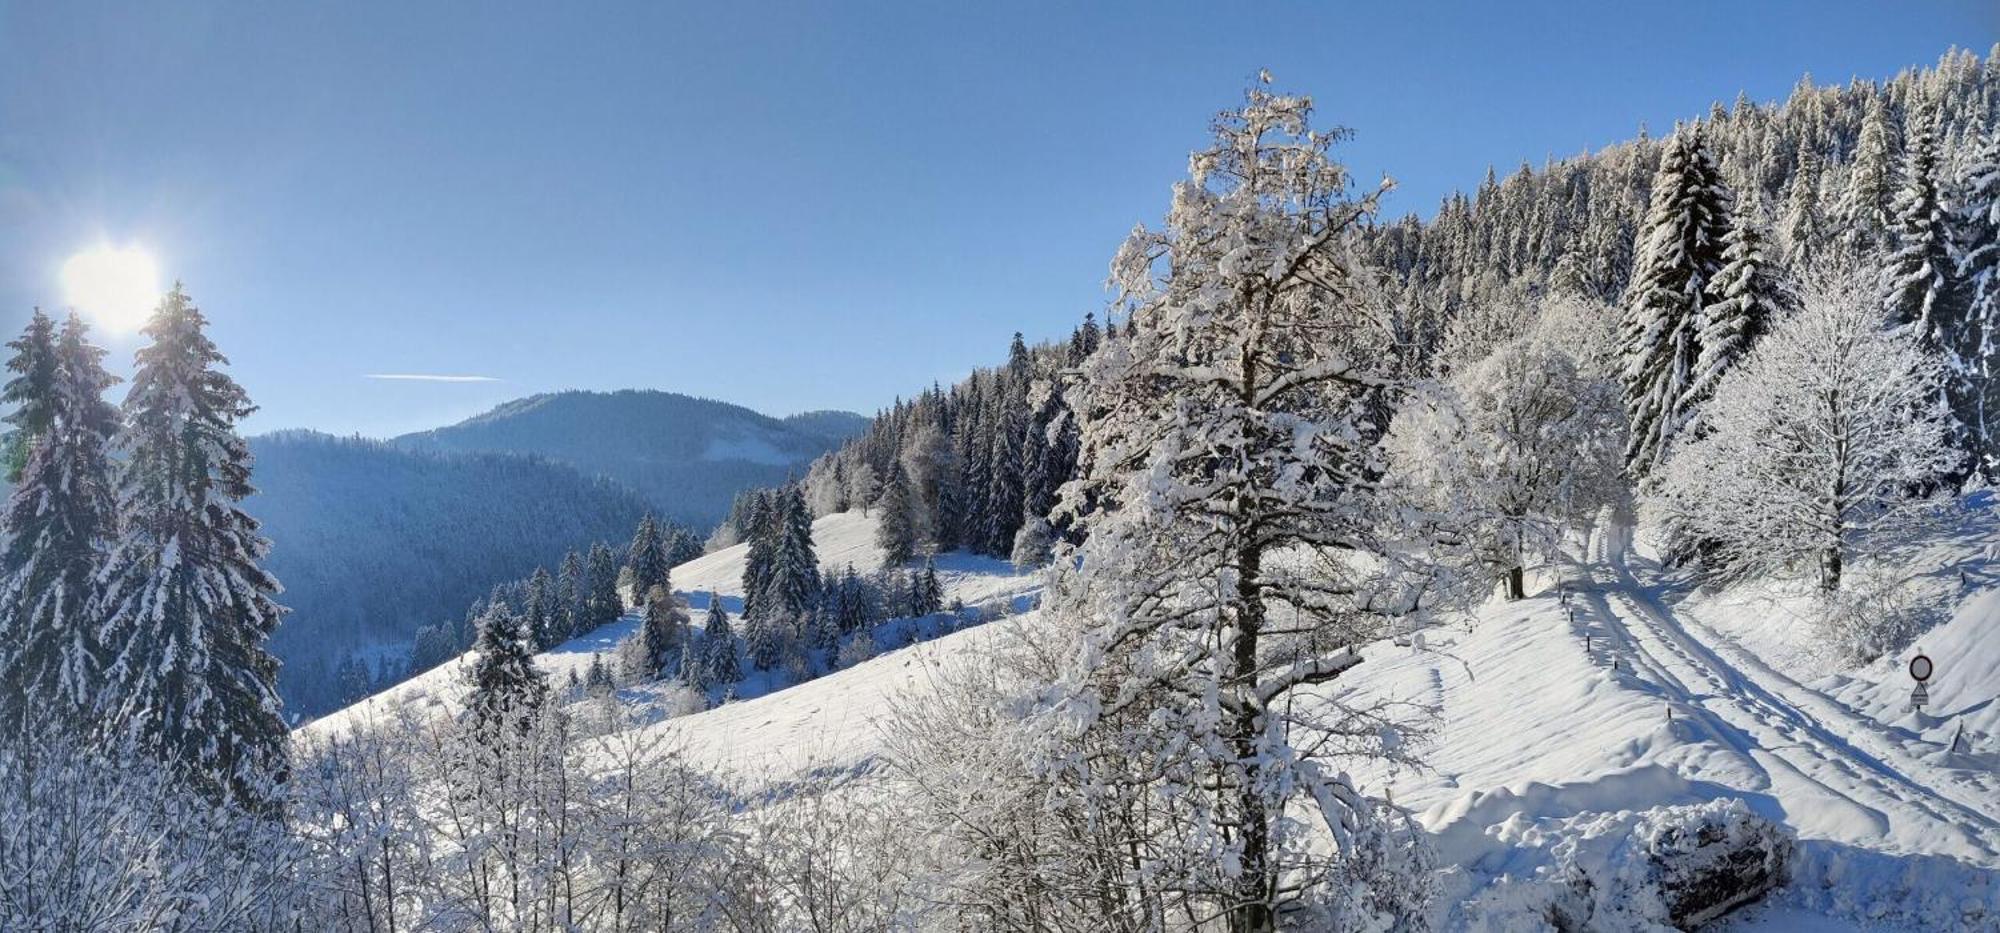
{"x":115,"y":286}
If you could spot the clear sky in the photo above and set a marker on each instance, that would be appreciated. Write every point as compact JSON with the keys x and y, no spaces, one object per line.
{"x":788,"y":206}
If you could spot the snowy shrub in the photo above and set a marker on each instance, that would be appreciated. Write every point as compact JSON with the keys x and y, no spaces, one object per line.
{"x":856,"y":649}
{"x":1876,"y":616}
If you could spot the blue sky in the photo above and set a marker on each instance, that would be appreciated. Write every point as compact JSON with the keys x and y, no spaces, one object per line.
{"x":788,"y":206}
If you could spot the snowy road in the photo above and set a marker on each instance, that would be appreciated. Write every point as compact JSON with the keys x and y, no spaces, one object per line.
{"x":1824,"y":769}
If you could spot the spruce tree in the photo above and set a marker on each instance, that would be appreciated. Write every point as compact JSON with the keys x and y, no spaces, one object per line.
{"x":759,"y":533}
{"x":792,"y":584}
{"x":59,"y":522}
{"x":719,"y":644}
{"x":1743,"y":301}
{"x":1916,"y":277}
{"x":896,"y":533}
{"x":31,"y":390}
{"x":569,"y":595}
{"x":506,"y":684}
{"x":1800,"y":226}
{"x":185,"y":607}
{"x":1865,"y":207}
{"x":1680,"y":253}
{"x":663,"y":631}
{"x":601,"y":605}
{"x":1976,"y":267}
{"x":647,"y":557}
{"x":539,"y":609}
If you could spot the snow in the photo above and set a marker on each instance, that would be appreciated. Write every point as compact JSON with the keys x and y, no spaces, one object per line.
{"x":1715,"y":696}
{"x":838,"y":540}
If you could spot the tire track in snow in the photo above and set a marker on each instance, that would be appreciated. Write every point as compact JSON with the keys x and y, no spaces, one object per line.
{"x":1777,"y":735}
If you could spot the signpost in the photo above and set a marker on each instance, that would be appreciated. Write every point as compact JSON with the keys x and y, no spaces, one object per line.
{"x":1920,"y":671}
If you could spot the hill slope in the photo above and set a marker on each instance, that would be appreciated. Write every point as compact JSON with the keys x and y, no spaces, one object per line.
{"x":688,"y":456}
{"x":371,"y":541}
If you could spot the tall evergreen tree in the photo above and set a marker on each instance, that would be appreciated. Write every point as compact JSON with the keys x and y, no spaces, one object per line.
{"x":1743,"y":301}
{"x":506,"y":684}
{"x":896,"y":533}
{"x":1801,"y":226}
{"x":1865,"y":207}
{"x":538,"y":610}
{"x":1976,"y":266}
{"x":1680,"y":253}
{"x":1916,"y":277}
{"x":569,"y":594}
{"x":793,"y":583}
{"x":185,"y":608}
{"x":758,"y":533}
{"x":718,"y":642}
{"x":59,"y":522}
{"x":31,"y":389}
{"x":602,"y":605}
{"x":664,"y":630}
{"x":647,"y":557}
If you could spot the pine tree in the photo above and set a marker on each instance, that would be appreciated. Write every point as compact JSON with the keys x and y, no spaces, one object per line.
{"x":506,"y":684}
{"x":602,"y":605}
{"x":647,"y":557}
{"x":1976,"y":267}
{"x":569,"y":596}
{"x":1680,"y":253}
{"x":1743,"y":300}
{"x":926,"y":594}
{"x":792,"y":585}
{"x":719,"y":643}
{"x":759,"y":533}
{"x":539,"y":610}
{"x":31,"y":390}
{"x":1865,"y":208}
{"x":185,"y":606}
{"x":896,"y":533}
{"x":599,"y":680}
{"x":664,"y":630}
{"x":1916,"y":275}
{"x":59,"y":521}
{"x":1800,"y":227}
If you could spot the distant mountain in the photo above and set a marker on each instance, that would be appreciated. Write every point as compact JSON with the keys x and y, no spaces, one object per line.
{"x":372,"y":541}
{"x":688,"y":456}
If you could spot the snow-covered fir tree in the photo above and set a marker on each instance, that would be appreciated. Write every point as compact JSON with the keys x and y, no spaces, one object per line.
{"x":1743,"y":300}
{"x":1916,"y":275}
{"x":647,"y":557}
{"x":538,"y":609}
{"x":1976,"y":267}
{"x":601,"y":603}
{"x":1231,"y":422}
{"x":59,"y":522}
{"x":1865,"y":204}
{"x":185,"y":608}
{"x":896,"y":532}
{"x":506,"y":684}
{"x":1680,"y":253}
{"x":30,"y":389}
{"x":663,"y":630}
{"x":758,"y":531}
{"x":569,"y":594}
{"x":721,"y":661}
{"x":792,"y":586}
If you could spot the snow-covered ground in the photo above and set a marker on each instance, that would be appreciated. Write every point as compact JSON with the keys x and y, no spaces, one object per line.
{"x":1640,"y":691}
{"x":839,"y":540}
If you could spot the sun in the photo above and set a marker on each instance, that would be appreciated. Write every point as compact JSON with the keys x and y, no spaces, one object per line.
{"x":115,"y":286}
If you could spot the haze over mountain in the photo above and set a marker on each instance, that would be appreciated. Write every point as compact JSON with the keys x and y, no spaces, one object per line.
{"x":371,"y":541}
{"x":688,"y":456}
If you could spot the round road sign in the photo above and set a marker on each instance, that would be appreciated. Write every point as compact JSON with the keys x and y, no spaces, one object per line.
{"x":1920,"y":668}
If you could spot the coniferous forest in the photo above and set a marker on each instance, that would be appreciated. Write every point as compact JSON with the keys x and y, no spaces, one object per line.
{"x":1343,"y":571}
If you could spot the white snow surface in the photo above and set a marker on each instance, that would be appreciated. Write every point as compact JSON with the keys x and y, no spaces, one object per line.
{"x":1678,"y":697}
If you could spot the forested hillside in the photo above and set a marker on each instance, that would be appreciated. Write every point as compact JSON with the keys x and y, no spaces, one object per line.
{"x":688,"y":456}
{"x":373,"y":542}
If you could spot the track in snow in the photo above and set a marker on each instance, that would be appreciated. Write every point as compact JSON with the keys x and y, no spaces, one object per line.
{"x":1833,"y":773}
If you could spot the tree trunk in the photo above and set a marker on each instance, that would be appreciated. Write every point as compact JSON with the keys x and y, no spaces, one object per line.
{"x":1516,"y":582}
{"x":1829,"y":570}
{"x":1258,"y":881}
